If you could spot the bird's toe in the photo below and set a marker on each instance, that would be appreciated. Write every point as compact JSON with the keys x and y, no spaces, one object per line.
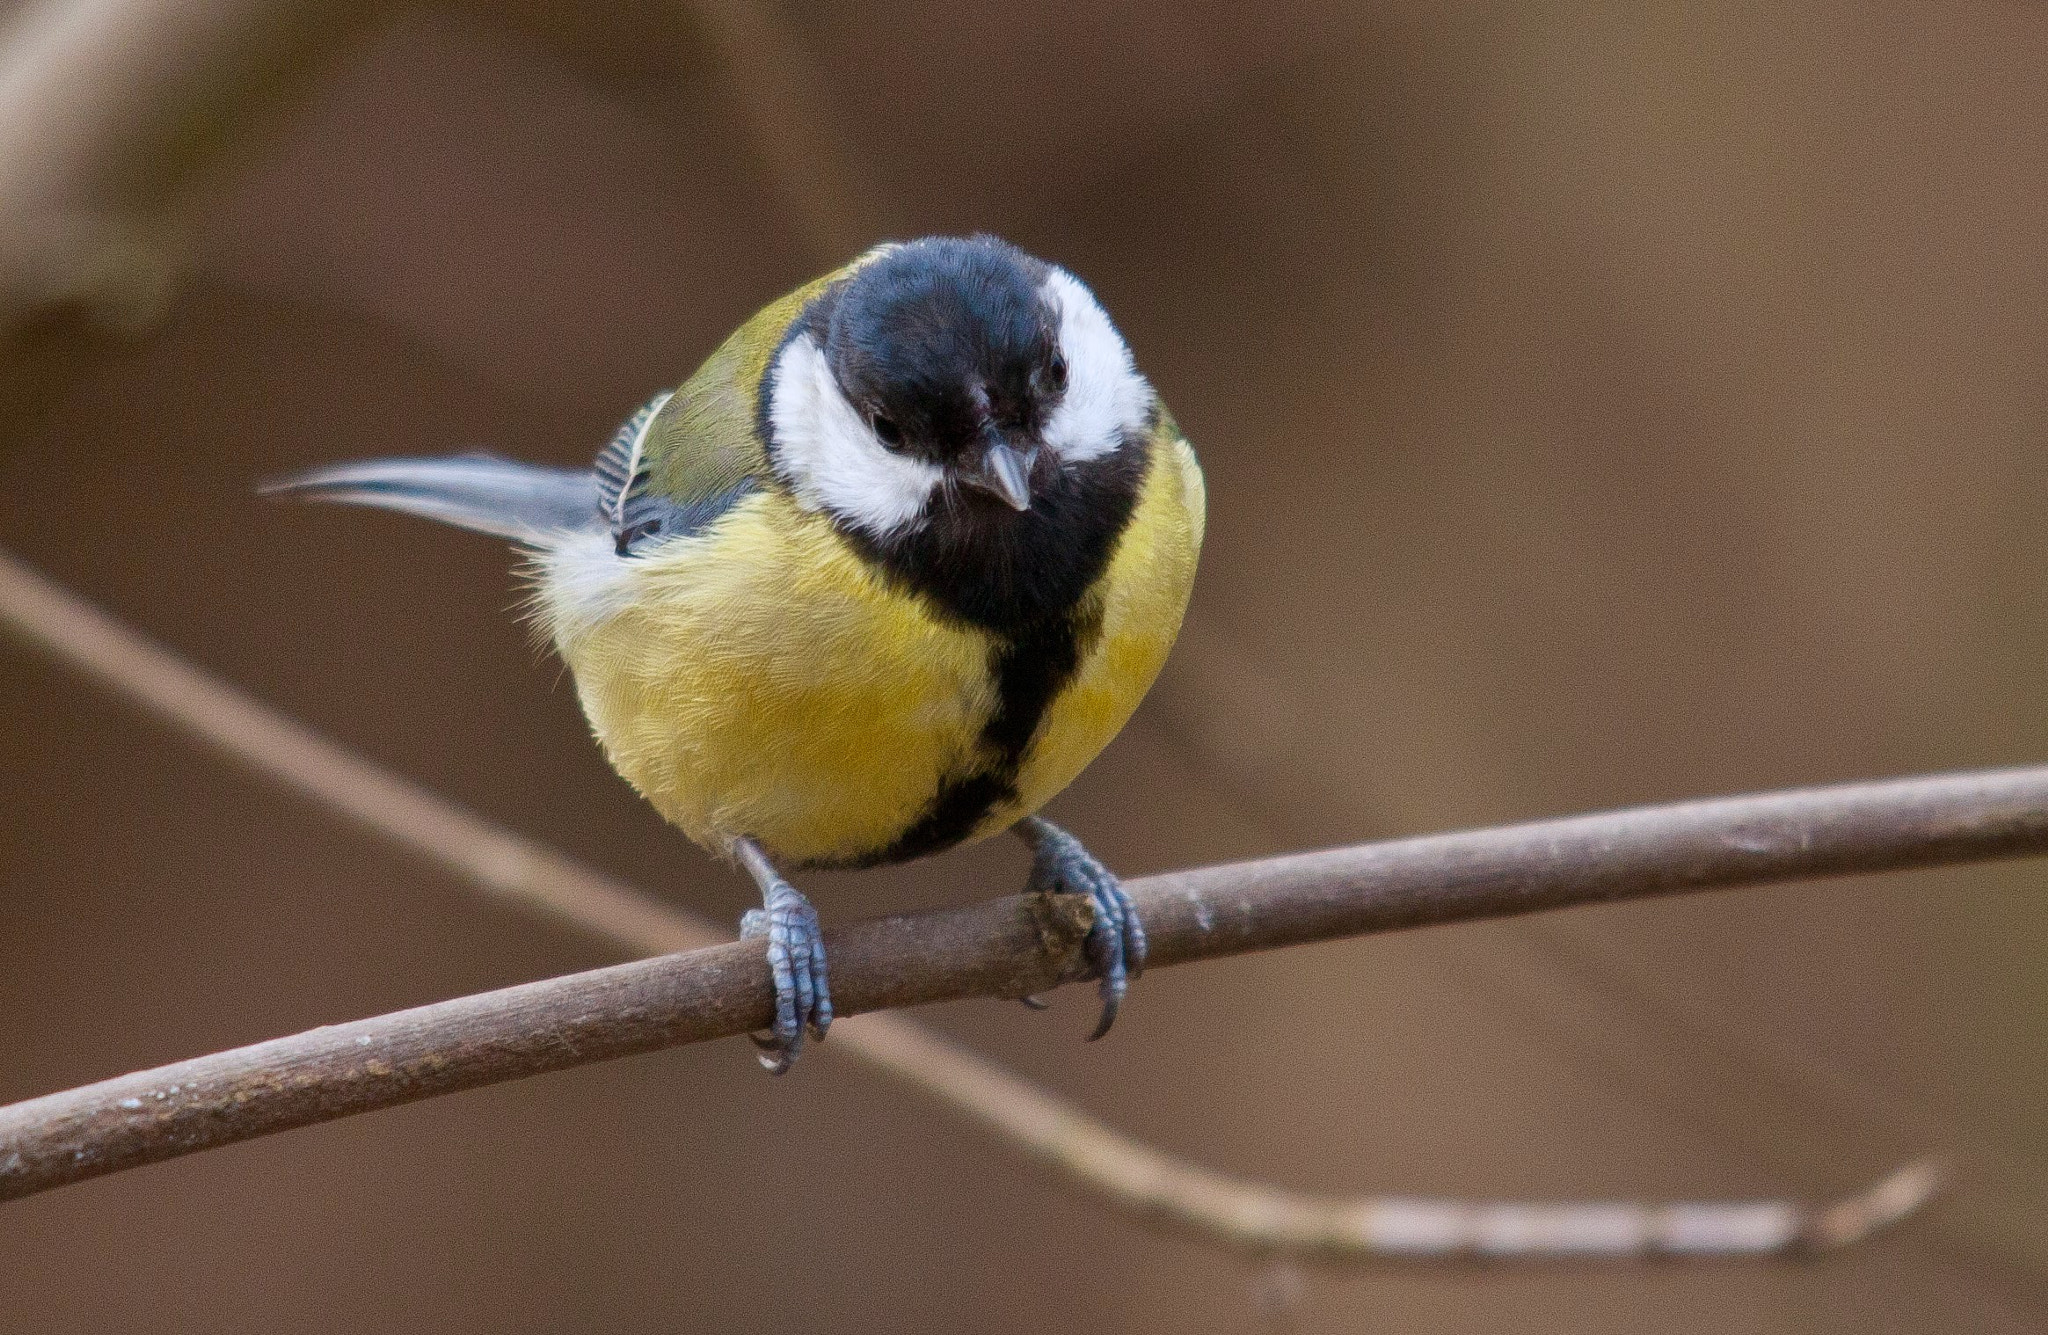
{"x":1115,"y":947}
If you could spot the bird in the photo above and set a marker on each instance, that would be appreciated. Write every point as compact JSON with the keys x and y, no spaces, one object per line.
{"x":879,"y":579}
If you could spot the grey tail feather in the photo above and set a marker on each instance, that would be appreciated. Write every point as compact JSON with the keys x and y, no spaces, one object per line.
{"x":523,"y":502}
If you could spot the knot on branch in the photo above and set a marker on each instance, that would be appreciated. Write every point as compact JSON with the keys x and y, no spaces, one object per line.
{"x":1062,"y":923}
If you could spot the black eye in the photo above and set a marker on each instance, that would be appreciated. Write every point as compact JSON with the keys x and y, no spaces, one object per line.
{"x":885,"y":430}
{"x":1056,"y":375}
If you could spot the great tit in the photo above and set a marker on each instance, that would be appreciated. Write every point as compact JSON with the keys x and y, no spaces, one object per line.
{"x":879,"y":579}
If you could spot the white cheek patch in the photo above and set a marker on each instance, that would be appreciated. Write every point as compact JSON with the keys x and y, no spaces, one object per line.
{"x":1106,"y":398}
{"x":830,"y":458}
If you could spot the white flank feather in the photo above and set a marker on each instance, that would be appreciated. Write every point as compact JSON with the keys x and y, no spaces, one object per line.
{"x":580,"y":583}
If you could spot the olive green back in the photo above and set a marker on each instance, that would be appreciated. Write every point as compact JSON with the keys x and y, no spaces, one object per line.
{"x":706,"y":441}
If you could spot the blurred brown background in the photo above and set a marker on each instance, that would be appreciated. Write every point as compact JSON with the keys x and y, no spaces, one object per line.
{"x":1600,"y":404}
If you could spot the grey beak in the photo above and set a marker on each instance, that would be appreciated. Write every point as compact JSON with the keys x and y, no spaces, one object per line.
{"x":1005,"y":473}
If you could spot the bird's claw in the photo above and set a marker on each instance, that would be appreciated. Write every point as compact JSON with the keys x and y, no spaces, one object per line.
{"x":1115,"y":947}
{"x":796,"y":961}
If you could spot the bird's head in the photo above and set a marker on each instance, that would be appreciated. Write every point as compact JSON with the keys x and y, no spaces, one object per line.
{"x":948,"y":373}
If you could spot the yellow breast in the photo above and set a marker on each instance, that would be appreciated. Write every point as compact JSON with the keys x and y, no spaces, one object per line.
{"x":763,"y":679}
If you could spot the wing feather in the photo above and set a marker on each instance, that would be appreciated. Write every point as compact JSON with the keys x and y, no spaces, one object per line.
{"x":623,"y":475}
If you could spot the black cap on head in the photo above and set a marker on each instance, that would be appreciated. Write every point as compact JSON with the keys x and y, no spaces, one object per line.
{"x":944,"y":346}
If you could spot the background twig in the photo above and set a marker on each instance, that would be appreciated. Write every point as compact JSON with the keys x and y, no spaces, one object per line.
{"x":108,"y":108}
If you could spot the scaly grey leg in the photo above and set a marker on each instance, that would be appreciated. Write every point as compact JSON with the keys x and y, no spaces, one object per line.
{"x":796,"y":959}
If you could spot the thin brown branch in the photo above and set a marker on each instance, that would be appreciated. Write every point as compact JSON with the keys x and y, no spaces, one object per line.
{"x":1020,"y":945}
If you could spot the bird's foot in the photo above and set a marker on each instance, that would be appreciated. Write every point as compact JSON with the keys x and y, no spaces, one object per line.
{"x":796,"y":961}
{"x":1116,"y":943}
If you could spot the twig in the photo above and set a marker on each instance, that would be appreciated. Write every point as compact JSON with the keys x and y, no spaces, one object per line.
{"x":107,"y":110}
{"x":1006,"y":947}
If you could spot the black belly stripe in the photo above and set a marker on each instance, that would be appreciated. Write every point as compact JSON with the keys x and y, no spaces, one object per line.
{"x":1028,"y":583}
{"x":1030,"y":669}
{"x":953,"y":814}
